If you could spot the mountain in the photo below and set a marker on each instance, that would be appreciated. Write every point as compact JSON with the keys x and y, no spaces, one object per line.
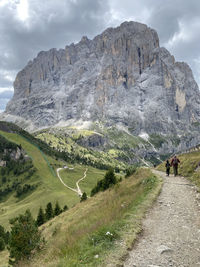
{"x":120,"y":78}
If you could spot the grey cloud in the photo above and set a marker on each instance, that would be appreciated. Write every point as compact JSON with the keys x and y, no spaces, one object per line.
{"x":6,"y":94}
{"x":4,"y":98}
{"x":51,"y":24}
{"x":4,"y":82}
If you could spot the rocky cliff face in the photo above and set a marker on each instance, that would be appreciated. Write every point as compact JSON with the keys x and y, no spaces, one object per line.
{"x":122,"y":76}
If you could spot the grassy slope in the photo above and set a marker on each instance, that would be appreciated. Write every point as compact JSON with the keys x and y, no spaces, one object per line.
{"x":70,"y":177}
{"x":188,"y":167}
{"x":50,"y":188}
{"x":76,"y":236}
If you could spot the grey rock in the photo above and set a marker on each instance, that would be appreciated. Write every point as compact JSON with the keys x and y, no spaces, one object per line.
{"x":93,"y":141}
{"x":162,"y":249}
{"x":122,"y":76}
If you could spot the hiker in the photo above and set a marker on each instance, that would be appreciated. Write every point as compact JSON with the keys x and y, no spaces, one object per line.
{"x":167,"y":165}
{"x":175,"y":161}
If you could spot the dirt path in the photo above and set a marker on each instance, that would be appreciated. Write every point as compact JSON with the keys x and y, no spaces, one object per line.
{"x":78,"y":190}
{"x":77,"y":183}
{"x":171,"y":235}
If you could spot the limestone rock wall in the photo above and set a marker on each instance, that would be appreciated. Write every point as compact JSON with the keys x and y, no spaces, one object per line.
{"x":121,"y":76}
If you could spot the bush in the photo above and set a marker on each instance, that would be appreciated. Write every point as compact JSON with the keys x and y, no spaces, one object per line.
{"x":83,"y":197}
{"x":65,"y":208}
{"x":130,"y":171}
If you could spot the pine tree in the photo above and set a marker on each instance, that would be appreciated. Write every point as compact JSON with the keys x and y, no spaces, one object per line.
{"x":57,"y":209}
{"x":24,"y":237}
{"x":41,"y":217}
{"x":109,"y":179}
{"x":49,"y":211}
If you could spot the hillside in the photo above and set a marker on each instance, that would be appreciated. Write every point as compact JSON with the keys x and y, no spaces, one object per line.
{"x":99,"y":230}
{"x":103,"y":146}
{"x":41,"y":175}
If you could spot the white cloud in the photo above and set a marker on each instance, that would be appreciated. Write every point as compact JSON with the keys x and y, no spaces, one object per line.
{"x":3,"y":89}
{"x":22,"y":10}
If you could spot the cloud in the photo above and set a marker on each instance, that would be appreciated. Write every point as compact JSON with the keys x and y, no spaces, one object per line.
{"x":5,"y":96}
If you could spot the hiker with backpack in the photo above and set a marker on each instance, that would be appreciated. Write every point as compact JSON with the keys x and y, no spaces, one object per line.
{"x":174,"y":163}
{"x":167,"y":166}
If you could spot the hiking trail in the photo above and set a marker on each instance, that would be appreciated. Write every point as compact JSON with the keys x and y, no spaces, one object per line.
{"x":78,"y":190}
{"x":171,"y":229}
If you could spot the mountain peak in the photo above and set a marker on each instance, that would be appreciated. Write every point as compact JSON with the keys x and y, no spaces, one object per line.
{"x":122,"y":76}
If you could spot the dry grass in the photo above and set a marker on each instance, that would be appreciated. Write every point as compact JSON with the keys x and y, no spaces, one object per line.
{"x":76,"y":236}
{"x":4,"y":258}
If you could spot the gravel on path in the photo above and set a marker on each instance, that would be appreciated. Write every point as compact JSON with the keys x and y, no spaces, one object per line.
{"x":171,"y":229}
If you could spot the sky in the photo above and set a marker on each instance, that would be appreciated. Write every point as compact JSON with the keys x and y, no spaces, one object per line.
{"x":30,"y":26}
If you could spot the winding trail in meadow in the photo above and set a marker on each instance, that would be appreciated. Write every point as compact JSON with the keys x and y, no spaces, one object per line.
{"x":171,"y":229}
{"x":78,"y":190}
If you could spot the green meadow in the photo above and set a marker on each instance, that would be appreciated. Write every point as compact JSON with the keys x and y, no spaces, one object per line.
{"x":49,"y":188}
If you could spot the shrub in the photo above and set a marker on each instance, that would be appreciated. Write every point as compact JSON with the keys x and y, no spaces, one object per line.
{"x":130,"y":171}
{"x":65,"y":208}
{"x":83,"y":197}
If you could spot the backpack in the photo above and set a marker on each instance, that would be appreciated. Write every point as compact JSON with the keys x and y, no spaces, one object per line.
{"x":167,"y":165}
{"x":175,"y":161}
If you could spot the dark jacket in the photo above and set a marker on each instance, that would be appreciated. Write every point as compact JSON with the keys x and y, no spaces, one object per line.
{"x":175,"y":162}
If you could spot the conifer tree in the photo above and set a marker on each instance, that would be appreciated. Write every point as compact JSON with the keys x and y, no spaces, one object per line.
{"x":109,"y":179}
{"x":41,"y":217}
{"x":49,"y":211}
{"x":24,"y":237}
{"x":57,"y":209}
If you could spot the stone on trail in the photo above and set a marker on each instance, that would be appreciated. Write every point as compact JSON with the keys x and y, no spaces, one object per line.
{"x":162,"y":249}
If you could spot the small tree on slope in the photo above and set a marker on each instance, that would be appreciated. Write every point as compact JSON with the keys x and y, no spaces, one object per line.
{"x":41,"y":217}
{"x":49,"y":211}
{"x":57,"y":209}
{"x":24,"y":237}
